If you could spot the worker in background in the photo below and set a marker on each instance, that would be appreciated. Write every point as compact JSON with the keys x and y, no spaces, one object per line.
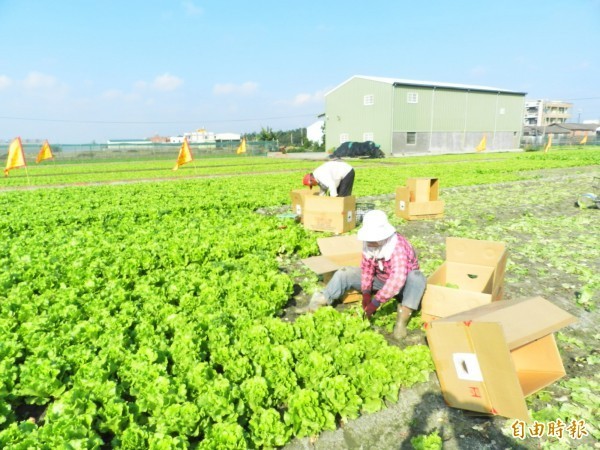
{"x":389,"y":269}
{"x":335,"y":177}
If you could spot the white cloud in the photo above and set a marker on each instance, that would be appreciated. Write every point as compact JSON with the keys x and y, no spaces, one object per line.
{"x":37,"y":80}
{"x":5,"y":82}
{"x":165,"y":82}
{"x":191,"y":8}
{"x":247,"y":88}
{"x":303,"y":99}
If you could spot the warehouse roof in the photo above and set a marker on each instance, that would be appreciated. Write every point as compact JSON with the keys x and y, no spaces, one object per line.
{"x":436,"y":84}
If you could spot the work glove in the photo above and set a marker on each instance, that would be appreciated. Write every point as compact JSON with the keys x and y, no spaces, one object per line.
{"x":366,"y":299}
{"x":371,"y":308}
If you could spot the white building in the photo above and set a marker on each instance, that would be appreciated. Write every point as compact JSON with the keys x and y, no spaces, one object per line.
{"x":200,"y":136}
{"x":314,"y":132}
{"x":546,"y":112}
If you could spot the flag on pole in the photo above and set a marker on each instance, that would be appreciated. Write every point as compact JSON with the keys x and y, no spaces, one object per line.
{"x":45,"y":153}
{"x":584,"y":140}
{"x":242,"y":146}
{"x":15,"y":157}
{"x":185,"y":155}
{"x":549,"y":144}
{"x":481,"y":146}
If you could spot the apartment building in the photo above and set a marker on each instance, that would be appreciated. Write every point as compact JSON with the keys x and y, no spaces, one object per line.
{"x":546,"y":112}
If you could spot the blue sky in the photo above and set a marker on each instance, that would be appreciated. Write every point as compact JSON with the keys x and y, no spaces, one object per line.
{"x":83,"y":71}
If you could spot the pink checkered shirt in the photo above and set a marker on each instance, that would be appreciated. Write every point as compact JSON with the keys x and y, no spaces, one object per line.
{"x":394,"y":271}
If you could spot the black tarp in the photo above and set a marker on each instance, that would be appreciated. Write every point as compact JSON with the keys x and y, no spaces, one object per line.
{"x":368,"y":149}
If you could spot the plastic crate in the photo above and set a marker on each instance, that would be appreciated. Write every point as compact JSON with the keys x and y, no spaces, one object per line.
{"x":361,"y":209}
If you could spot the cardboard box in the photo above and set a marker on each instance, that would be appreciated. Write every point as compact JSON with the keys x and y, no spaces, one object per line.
{"x":423,"y":189}
{"x":489,"y":359}
{"x":297,"y":197}
{"x":336,"y":252}
{"x":409,"y":208}
{"x":471,"y":276}
{"x":333,"y":214}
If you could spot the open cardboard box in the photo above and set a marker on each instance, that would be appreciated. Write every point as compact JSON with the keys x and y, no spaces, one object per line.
{"x":489,"y":359}
{"x":418,"y":200}
{"x":297,"y":197}
{"x":333,"y":214}
{"x":336,"y":252}
{"x":471,"y":276}
{"x":423,"y":189}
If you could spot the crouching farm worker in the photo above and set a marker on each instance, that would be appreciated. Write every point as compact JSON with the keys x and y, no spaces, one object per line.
{"x":389,"y":268}
{"x":335,"y":177}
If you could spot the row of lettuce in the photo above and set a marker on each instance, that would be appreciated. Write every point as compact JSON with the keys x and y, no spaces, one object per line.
{"x":146,"y":316}
{"x":484,"y":168}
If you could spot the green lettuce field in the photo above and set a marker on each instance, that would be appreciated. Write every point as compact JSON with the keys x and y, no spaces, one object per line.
{"x":144,"y":308}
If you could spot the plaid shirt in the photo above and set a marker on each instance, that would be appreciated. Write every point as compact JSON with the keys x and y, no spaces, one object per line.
{"x":394,"y":272}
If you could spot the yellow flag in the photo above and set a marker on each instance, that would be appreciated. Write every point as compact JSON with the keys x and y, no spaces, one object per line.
{"x":481,"y":146}
{"x":185,"y":155}
{"x":584,"y":140}
{"x":45,"y":153}
{"x":15,"y":157}
{"x":242,"y":146}
{"x":549,"y":144}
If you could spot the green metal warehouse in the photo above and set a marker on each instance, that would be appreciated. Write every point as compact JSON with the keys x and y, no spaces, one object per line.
{"x":408,"y":117}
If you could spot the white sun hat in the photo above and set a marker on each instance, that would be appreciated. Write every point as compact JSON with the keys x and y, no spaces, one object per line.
{"x":375,"y":227}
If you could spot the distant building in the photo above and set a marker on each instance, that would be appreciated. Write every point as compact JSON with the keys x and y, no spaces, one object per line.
{"x":226,"y":137}
{"x":562,"y":133}
{"x":156,"y":139}
{"x":314,"y":132}
{"x":200,"y":136}
{"x":406,"y":116}
{"x":546,"y":112}
{"x":116,"y":143}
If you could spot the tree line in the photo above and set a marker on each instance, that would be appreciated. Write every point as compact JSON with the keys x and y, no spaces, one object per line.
{"x":295,"y":138}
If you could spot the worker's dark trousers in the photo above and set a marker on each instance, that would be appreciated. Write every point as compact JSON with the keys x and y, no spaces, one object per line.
{"x":345,"y":187}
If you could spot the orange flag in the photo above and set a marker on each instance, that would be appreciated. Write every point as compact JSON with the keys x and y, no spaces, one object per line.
{"x":549,"y":144}
{"x":481,"y":146}
{"x":242,"y":146}
{"x":584,"y":140}
{"x":185,"y":155}
{"x":15,"y":157}
{"x":45,"y":153}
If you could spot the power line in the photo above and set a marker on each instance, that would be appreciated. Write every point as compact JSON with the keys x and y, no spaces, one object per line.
{"x":124,"y":122}
{"x":583,"y":98}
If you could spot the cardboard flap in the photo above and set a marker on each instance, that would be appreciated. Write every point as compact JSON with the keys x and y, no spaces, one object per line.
{"x":336,"y":252}
{"x":457,"y":367}
{"x":522,"y":320}
{"x":440,"y":301}
{"x":501,"y":383}
{"x":339,"y":245}
{"x":320,"y":264}
{"x":473,"y":251}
